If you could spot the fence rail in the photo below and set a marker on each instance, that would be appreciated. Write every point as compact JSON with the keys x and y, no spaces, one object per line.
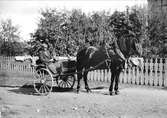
{"x":153,"y":72}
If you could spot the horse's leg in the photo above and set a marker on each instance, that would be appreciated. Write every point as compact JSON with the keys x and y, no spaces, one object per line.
{"x":79,"y":77}
{"x":111,"y":84}
{"x":86,"y":81}
{"x":117,"y":82}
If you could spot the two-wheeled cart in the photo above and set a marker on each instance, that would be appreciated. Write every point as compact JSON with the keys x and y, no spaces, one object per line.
{"x":64,"y":77}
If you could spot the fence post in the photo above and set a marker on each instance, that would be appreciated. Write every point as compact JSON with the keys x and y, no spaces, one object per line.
{"x":90,"y":75}
{"x":133,"y":78}
{"x":165,"y":70}
{"x":138,"y":78}
{"x":121,"y":77}
{"x":141,"y":73}
{"x":150,"y":78}
{"x":98,"y":75}
{"x":129,"y":76}
{"x":156,"y":83}
{"x":105,"y":75}
{"x":145,"y":74}
{"x":160,"y":72}
{"x":95,"y":75}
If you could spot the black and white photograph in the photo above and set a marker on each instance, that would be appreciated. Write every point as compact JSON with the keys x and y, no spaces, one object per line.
{"x":83,"y":58}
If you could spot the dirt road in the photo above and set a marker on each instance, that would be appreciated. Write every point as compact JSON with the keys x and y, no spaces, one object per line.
{"x":132,"y":102}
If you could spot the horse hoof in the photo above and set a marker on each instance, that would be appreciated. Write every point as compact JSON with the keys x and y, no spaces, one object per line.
{"x":116,"y":92}
{"x":111,"y":93}
{"x":77,"y":91}
{"x":89,"y":91}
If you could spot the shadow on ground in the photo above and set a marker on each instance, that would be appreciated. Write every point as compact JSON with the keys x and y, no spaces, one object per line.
{"x":29,"y":90}
{"x":164,"y":88}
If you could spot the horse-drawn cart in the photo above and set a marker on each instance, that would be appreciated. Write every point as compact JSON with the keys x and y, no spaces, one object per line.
{"x":63,"y":77}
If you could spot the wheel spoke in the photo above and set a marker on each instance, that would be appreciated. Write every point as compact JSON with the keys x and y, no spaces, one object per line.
{"x":40,"y":88}
{"x":69,"y":83}
{"x":61,"y":84}
{"x":65,"y":84}
{"x":70,"y":79}
{"x":47,"y":88}
{"x":45,"y":91}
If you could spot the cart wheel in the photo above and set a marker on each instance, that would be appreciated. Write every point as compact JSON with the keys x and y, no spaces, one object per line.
{"x":43,"y":81}
{"x":64,"y":81}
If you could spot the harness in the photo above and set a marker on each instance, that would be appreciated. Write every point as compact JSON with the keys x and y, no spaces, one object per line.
{"x":108,"y":60}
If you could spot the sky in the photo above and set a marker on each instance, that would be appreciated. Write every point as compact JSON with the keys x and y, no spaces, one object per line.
{"x":25,"y":13}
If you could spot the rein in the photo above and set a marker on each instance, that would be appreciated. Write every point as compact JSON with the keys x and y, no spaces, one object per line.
{"x":108,"y":59}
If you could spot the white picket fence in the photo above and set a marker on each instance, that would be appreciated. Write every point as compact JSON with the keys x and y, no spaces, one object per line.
{"x":153,"y":72}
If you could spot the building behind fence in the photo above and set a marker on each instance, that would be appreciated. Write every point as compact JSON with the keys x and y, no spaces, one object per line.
{"x":153,"y":72}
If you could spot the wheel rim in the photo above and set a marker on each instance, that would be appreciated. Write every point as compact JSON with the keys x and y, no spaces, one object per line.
{"x":43,"y":82}
{"x":66,"y":81}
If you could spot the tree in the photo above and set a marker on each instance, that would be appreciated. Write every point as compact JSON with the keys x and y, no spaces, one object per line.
{"x":67,"y":31}
{"x":157,"y":34}
{"x":153,"y":32}
{"x":126,"y":25}
{"x":9,"y":38}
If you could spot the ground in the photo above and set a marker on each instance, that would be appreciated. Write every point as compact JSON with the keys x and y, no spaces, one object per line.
{"x":132,"y":102}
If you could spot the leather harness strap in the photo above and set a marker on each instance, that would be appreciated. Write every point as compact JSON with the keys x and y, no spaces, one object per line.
{"x":108,"y":60}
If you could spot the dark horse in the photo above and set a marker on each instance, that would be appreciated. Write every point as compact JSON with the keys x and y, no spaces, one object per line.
{"x":91,"y":58}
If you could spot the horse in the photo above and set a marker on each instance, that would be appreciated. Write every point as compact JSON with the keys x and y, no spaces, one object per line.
{"x":92,"y":58}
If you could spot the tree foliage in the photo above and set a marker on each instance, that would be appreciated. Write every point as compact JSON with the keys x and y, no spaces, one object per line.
{"x":157,"y":35}
{"x":9,"y":39}
{"x":67,"y":31}
{"x":153,"y":33}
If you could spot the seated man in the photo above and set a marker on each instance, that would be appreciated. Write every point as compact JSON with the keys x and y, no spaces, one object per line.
{"x":46,"y":59}
{"x":44,"y":55}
